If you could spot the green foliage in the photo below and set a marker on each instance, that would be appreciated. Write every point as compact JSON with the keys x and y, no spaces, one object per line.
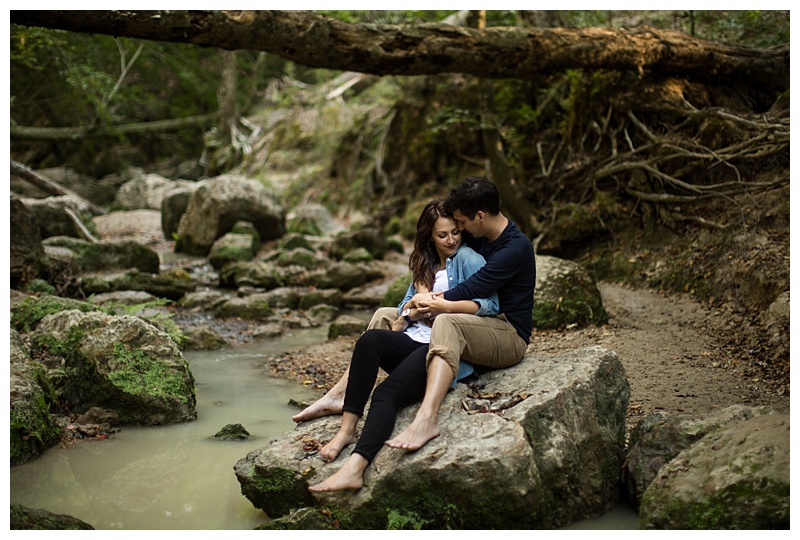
{"x":411,"y":521}
{"x":33,"y":309}
{"x":31,"y":427}
{"x":137,"y":373}
{"x":40,"y":286}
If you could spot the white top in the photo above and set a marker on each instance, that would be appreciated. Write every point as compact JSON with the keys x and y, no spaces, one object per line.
{"x":419,"y":331}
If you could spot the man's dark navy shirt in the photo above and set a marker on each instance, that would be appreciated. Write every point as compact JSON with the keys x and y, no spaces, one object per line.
{"x":510,"y":270}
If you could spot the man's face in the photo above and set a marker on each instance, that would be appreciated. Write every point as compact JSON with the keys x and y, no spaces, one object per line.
{"x":473,"y":226}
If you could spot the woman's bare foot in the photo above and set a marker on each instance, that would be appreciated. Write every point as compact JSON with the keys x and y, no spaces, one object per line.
{"x":349,"y":477}
{"x":416,"y":435}
{"x":325,"y":406}
{"x":340,"y":441}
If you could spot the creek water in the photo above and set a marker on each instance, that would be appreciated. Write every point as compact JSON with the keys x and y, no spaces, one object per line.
{"x":177,"y":477}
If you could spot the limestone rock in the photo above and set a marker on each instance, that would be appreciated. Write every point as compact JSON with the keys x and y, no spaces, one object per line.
{"x":120,"y":363}
{"x":543,"y":450}
{"x":219,"y":203}
{"x":565,"y":294}
{"x":736,"y":477}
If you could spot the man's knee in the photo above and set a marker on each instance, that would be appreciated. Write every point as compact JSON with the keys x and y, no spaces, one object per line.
{"x":382,"y":318}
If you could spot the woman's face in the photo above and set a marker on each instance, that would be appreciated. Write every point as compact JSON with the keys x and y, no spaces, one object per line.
{"x":446,"y":237}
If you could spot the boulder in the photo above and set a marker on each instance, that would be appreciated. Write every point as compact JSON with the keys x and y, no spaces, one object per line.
{"x":174,"y":205}
{"x":146,"y":191}
{"x":537,"y":445}
{"x":203,"y":338}
{"x":314,"y":297}
{"x":107,"y":255}
{"x":251,"y":307}
{"x":300,"y":256}
{"x":231,"y":247}
{"x":161,"y":286}
{"x":36,"y":519}
{"x":565,"y":294}
{"x":32,"y":428}
{"x":222,"y":201}
{"x":248,"y":229}
{"x":202,"y":300}
{"x":285,"y":297}
{"x":253,"y":274}
{"x":312,"y":219}
{"x":346,"y":325}
{"x":294,"y":240}
{"x":27,"y":259}
{"x":371,"y":239}
{"x":736,"y":477}
{"x":343,"y":276}
{"x":120,"y":363}
{"x":232,"y":432}
{"x":657,"y":439}
{"x":63,"y":216}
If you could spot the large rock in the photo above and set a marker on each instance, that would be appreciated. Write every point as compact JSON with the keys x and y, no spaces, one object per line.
{"x":32,"y":428}
{"x":658,"y":438}
{"x":538,"y":445}
{"x":231,"y":247}
{"x":27,"y":259}
{"x":174,"y":205}
{"x":36,"y":519}
{"x":105,"y":255}
{"x":159,"y":285}
{"x":222,"y":201}
{"x":371,"y":239}
{"x":146,"y":191}
{"x":736,"y":477}
{"x":313,"y":219}
{"x":565,"y":294}
{"x":343,"y":276}
{"x":121,"y":363}
{"x":63,"y":216}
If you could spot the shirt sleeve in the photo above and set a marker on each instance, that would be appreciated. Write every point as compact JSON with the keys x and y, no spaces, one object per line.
{"x":488,"y":306}
{"x":488,"y":279}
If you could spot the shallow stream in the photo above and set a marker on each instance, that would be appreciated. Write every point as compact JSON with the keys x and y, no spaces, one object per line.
{"x":177,"y":477}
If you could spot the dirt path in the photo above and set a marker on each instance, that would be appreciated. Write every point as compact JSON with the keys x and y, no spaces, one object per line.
{"x":674,"y":352}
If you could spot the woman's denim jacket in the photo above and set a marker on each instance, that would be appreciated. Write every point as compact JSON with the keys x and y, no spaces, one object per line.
{"x":460,"y":266}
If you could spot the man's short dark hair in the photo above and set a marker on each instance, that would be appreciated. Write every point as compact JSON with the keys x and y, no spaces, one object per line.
{"x":473,"y":194}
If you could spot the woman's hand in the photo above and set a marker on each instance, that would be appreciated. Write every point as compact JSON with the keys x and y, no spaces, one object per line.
{"x":400,"y":324}
{"x":429,"y":305}
{"x":435,"y":304}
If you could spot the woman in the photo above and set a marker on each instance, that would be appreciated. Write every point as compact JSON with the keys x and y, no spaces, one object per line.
{"x":438,"y":262}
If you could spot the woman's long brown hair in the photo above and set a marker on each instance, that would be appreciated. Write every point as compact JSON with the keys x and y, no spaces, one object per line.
{"x":424,"y":258}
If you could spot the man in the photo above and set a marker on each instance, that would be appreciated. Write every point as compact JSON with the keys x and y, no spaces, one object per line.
{"x":499,"y":342}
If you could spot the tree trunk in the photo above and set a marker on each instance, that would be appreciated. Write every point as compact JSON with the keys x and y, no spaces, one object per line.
{"x":74,"y":133}
{"x":497,"y":52}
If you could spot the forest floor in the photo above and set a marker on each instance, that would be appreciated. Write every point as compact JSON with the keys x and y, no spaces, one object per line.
{"x":679,"y":355}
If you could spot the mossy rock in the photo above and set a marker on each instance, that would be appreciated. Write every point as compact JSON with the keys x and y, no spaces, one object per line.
{"x":397,"y":290}
{"x":565,"y":295}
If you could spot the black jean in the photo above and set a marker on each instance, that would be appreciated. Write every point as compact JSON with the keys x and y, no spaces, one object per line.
{"x":404,"y":360}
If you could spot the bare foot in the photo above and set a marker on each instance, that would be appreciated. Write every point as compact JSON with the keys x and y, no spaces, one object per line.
{"x":416,"y":435}
{"x":340,"y":441}
{"x":324,"y":406}
{"x":349,"y":477}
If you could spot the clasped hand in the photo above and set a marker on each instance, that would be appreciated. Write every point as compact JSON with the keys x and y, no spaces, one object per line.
{"x":429,"y":304}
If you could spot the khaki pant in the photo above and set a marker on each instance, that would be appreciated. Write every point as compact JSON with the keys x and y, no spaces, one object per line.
{"x":484,"y":341}
{"x":383,"y":318}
